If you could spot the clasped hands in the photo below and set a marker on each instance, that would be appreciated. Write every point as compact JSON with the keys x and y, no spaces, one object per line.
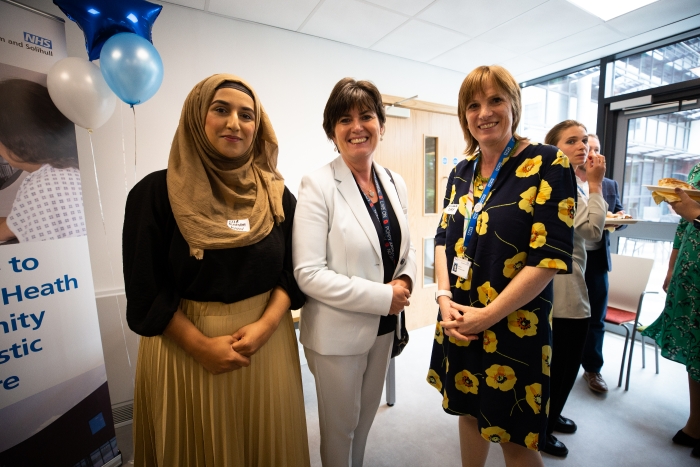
{"x":401,"y":292}
{"x":460,"y":321}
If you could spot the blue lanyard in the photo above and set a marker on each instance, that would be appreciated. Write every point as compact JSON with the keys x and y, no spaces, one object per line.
{"x":478,"y":207}
{"x":585,"y":196}
{"x":384,"y":219}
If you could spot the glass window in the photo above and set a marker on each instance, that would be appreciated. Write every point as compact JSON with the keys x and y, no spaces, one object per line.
{"x":671,"y":64}
{"x":429,"y":261}
{"x":430,"y":171}
{"x":659,"y":146}
{"x":574,"y":96}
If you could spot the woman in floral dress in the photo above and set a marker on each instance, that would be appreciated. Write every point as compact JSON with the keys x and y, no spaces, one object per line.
{"x":490,"y":358}
{"x":677,"y":330}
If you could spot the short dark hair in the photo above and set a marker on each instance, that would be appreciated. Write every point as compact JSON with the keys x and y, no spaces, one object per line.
{"x":33,"y":128}
{"x":349,"y":94}
{"x":554,"y":134}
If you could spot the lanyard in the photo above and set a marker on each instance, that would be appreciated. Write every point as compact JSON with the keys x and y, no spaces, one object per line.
{"x":469,"y":228}
{"x":388,"y":243}
{"x":583,"y":193}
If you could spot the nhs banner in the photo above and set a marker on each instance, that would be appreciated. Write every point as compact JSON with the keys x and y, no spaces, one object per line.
{"x":54,"y":399}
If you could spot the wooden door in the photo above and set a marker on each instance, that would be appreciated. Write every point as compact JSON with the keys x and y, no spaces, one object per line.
{"x":402,"y":151}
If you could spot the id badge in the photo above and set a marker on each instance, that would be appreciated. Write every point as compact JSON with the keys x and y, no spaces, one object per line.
{"x":460,"y":267}
{"x":451,"y":209}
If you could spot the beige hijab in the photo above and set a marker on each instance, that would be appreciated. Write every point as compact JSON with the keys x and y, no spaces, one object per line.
{"x":212,"y":196}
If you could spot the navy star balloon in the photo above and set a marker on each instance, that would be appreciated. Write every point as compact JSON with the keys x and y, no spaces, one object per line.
{"x":101,"y":19}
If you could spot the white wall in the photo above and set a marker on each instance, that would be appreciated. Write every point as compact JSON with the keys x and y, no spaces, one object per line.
{"x":292,"y":73}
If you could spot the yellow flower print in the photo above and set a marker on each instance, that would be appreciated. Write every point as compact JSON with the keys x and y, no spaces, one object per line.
{"x":544,"y":193}
{"x":439,"y":335}
{"x":538,"y":237}
{"x":546,"y":359}
{"x":459,"y":343}
{"x":434,"y":380}
{"x":443,"y":222}
{"x":495,"y":434}
{"x":482,"y":223}
{"x":528,"y":199}
{"x":490,"y":341}
{"x":512,"y":266}
{"x":532,"y":441}
{"x":445,"y":400}
{"x":552,"y":263}
{"x":523,"y":323}
{"x":447,"y":365}
{"x":463,"y":205}
{"x":529,"y":167}
{"x":561,"y":160}
{"x":533,"y":396}
{"x":452,"y":193}
{"x":465,"y":284}
{"x":546,"y":409}
{"x":487,"y":294}
{"x":567,"y":211}
{"x":500,"y":377}
{"x":466,"y":382}
{"x":460,"y":249}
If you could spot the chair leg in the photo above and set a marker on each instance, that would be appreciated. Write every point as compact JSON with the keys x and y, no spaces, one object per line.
{"x":629,"y":362}
{"x":644,"y":353}
{"x":656,"y":355}
{"x":624,"y":354}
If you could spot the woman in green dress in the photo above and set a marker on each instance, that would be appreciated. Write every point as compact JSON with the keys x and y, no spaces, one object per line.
{"x":677,"y":330}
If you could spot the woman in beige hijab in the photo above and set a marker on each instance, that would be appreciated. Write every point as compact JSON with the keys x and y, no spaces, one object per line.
{"x":209,"y":284}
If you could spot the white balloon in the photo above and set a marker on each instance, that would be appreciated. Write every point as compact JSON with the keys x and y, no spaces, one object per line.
{"x":80,"y":92}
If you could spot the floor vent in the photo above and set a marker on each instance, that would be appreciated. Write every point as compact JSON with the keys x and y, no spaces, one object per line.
{"x":123,"y":414}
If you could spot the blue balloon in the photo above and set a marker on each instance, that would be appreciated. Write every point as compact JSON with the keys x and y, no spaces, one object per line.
{"x":101,"y":19}
{"x":132,"y":67}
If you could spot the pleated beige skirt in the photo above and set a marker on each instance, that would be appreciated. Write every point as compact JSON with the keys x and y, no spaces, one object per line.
{"x":253,"y":417}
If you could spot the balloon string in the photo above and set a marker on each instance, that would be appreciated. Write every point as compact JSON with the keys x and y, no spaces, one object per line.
{"x":109,"y":256}
{"x":133,"y":109}
{"x":126,"y":183}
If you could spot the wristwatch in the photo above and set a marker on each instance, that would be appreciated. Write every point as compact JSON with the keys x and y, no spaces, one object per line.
{"x":696,"y":222}
{"x":440,"y":293}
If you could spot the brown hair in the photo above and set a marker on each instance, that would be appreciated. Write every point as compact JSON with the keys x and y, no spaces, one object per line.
{"x":33,"y":128}
{"x":349,"y":94}
{"x":474,"y":84}
{"x":554,"y":134}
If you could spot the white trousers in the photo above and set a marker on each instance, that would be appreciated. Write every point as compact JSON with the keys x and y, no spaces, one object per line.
{"x":349,"y":390}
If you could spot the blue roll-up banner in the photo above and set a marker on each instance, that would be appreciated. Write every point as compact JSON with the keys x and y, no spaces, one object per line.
{"x":54,"y":400}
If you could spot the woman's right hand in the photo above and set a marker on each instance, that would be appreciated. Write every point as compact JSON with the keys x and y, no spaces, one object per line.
{"x":217,"y":356}
{"x":399,"y":299}
{"x":595,"y":169}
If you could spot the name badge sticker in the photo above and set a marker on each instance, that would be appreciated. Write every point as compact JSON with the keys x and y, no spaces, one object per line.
{"x":451,"y":209}
{"x":239,"y":225}
{"x":460,"y":267}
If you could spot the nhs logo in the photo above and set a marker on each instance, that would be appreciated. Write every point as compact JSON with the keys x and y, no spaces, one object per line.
{"x":36,"y":40}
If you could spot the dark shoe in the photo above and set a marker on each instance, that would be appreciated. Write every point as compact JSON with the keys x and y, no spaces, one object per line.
{"x":565,"y":425}
{"x":696,"y":451}
{"x":685,"y":439}
{"x":595,"y":381}
{"x":554,"y":447}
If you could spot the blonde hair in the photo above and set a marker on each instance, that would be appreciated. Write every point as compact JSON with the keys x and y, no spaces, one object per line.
{"x":474,"y":84}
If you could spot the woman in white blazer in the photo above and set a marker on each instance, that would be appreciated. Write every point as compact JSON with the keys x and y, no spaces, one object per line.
{"x":571,"y":308}
{"x":354,"y":260}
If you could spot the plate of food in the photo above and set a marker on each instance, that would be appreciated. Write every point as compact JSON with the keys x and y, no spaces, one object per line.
{"x":619,"y":219}
{"x":665,"y":190}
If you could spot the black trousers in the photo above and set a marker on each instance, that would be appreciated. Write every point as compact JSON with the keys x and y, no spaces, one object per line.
{"x":597,"y":283}
{"x":568,"y":339}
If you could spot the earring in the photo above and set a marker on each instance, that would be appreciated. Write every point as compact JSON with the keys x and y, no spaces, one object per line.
{"x":381,"y":137}
{"x":335,"y":148}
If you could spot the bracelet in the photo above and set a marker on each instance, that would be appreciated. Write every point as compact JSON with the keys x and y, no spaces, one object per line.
{"x":441,"y":293}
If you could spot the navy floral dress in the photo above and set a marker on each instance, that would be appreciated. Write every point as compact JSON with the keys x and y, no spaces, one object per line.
{"x":502,"y":378}
{"x":677,"y":329}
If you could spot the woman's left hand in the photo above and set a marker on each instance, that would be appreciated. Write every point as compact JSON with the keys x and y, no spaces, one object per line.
{"x":467,"y":326}
{"x":251,"y":337}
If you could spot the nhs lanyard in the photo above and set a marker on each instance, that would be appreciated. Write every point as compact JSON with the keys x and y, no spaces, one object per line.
{"x":469,"y":228}
{"x":384,"y":219}
{"x":583,"y":193}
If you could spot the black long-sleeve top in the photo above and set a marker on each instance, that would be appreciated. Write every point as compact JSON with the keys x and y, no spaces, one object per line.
{"x":159,"y":271}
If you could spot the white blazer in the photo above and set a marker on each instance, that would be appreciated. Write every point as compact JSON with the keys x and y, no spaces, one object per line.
{"x":337,"y":260}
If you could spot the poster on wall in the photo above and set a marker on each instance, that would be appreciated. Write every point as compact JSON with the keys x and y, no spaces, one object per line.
{"x":54,"y":400}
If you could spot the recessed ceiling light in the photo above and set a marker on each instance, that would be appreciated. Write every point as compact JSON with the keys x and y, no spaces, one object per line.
{"x":607,"y":9}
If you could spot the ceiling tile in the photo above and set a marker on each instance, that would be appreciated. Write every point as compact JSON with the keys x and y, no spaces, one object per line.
{"x":655,"y":15}
{"x":473,"y":17}
{"x":352,"y":22}
{"x":521,"y":64}
{"x":474,"y":53}
{"x":279,"y":13}
{"x":419,"y":41}
{"x":549,"y":22}
{"x":407,"y":7}
{"x":577,"y":44}
{"x":197,"y":4}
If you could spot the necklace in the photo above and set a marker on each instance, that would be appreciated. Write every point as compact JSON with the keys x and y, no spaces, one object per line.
{"x":369,"y":192}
